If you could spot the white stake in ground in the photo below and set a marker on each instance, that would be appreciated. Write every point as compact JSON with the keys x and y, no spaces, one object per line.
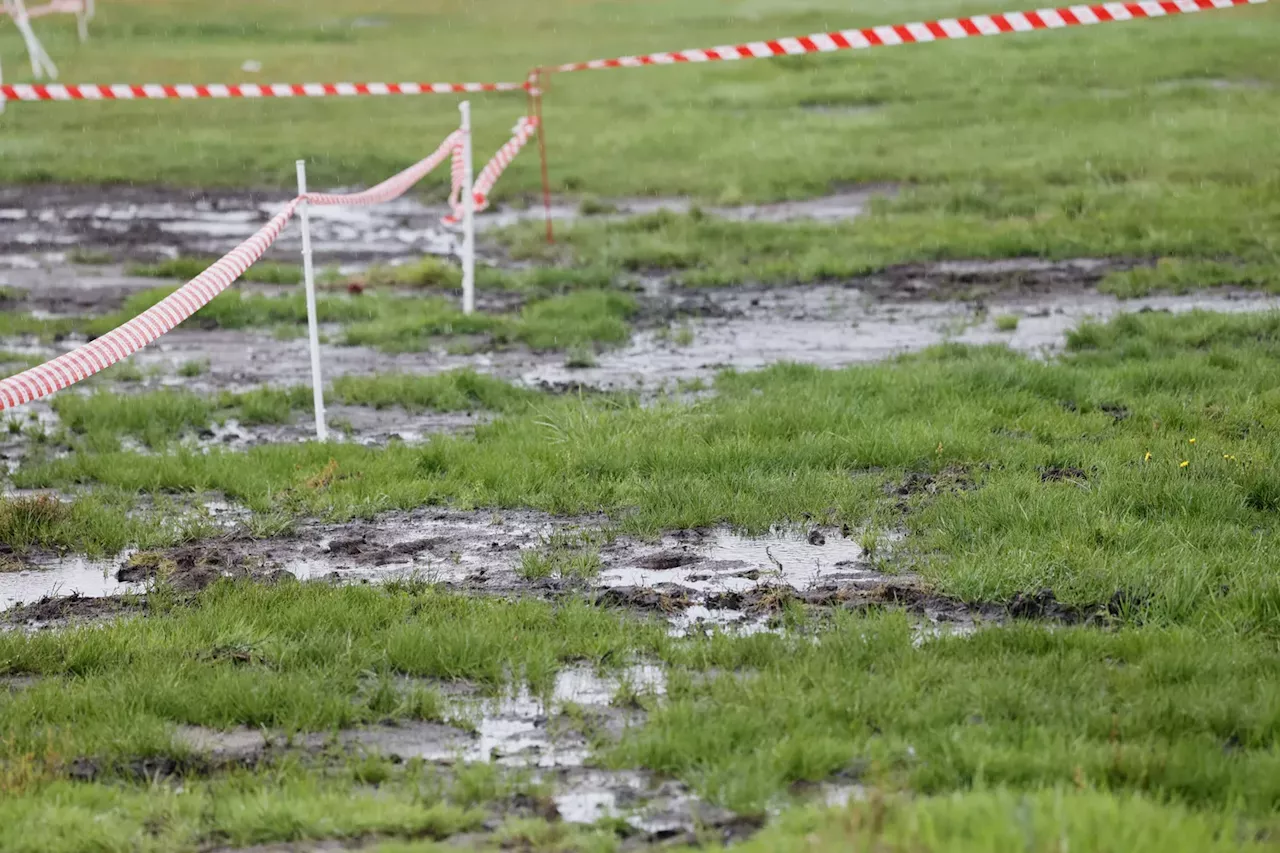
{"x":468,"y":216}
{"x":41,"y":64}
{"x":313,"y":326}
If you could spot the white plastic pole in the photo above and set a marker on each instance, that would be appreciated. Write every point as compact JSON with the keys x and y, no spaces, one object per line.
{"x":41,"y":64}
{"x":468,"y":216}
{"x":82,"y":20}
{"x":313,"y":326}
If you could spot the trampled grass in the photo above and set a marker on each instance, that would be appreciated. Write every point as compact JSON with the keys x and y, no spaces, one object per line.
{"x":100,"y":420}
{"x":744,"y":718}
{"x":1139,"y":469}
{"x":940,"y":224}
{"x":392,"y":323}
{"x":1067,"y":474}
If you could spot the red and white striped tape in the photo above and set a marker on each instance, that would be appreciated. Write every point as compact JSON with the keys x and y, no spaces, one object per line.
{"x":187,"y":91}
{"x":520,"y":136}
{"x":458,"y":176}
{"x":950,"y":28}
{"x":99,"y":354}
{"x":884,"y":36}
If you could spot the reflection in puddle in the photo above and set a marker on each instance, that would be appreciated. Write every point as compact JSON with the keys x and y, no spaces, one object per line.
{"x":722,"y":560}
{"x":68,"y":576}
{"x":838,"y":326}
{"x":515,"y":729}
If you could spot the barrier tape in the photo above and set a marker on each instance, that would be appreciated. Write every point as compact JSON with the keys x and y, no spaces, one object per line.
{"x":520,"y":136}
{"x":883,"y":36}
{"x":458,"y":173}
{"x":187,"y":91}
{"x":950,"y":28}
{"x":99,"y":354}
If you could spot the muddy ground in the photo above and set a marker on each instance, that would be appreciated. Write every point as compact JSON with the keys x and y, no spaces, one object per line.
{"x":139,"y":221}
{"x":682,"y":335}
{"x":695,"y":580}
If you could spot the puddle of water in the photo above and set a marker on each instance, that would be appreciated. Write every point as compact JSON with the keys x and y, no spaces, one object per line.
{"x":158,"y":221}
{"x":701,"y":619}
{"x":837,"y":327}
{"x":722,"y":560}
{"x":58,"y":578}
{"x":585,"y":686}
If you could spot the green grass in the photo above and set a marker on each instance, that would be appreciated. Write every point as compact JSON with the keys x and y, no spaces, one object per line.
{"x":1097,"y":140}
{"x":320,"y":658}
{"x":998,"y":820}
{"x":194,"y":368}
{"x":98,"y":524}
{"x":240,"y":810}
{"x":1004,"y":707}
{"x":461,"y":390}
{"x":1006,"y":323}
{"x":1173,"y":275}
{"x":1182,"y":544}
{"x":187,"y":268}
{"x":1177,"y":723}
{"x":558,"y":322}
{"x":930,"y":224}
{"x":391,"y":323}
{"x":572,"y":560}
{"x":158,"y":418}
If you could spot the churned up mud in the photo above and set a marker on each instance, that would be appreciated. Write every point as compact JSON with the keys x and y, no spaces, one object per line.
{"x":149,"y":221}
{"x":695,"y":579}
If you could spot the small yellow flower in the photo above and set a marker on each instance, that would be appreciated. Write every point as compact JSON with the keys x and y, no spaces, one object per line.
{"x":1192,"y":441}
{"x":1184,"y":463}
{"x":1147,"y":458}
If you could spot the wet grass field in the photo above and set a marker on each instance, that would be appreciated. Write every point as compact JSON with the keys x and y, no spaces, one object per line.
{"x":933,"y":509}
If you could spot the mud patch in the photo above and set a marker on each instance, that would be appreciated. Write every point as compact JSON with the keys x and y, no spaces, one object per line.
{"x":1057,"y":474}
{"x":953,"y":478}
{"x":139,"y":221}
{"x":64,"y":612}
{"x":696,"y":579}
{"x":748,"y":328}
{"x":156,"y":221}
{"x":519,"y":731}
{"x":721,"y":560}
{"x":872,"y":320}
{"x":1008,"y":278}
{"x":52,"y":284}
{"x":192,"y":568}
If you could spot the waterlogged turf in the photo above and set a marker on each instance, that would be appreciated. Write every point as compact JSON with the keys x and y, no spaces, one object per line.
{"x":1107,"y":516}
{"x":1140,"y":464}
{"x":583,"y":318}
{"x":850,"y":697}
{"x":1131,"y":477}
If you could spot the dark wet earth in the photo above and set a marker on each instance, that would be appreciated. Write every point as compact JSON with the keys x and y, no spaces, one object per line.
{"x":695,"y":580}
{"x":683,"y":338}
